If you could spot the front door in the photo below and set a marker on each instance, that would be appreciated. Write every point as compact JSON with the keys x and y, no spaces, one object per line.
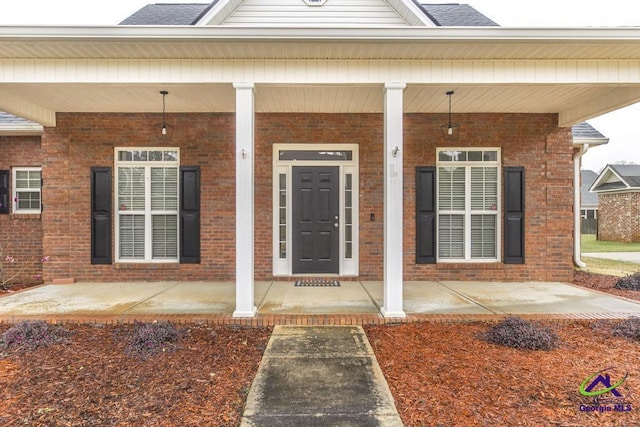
{"x":316,"y":225}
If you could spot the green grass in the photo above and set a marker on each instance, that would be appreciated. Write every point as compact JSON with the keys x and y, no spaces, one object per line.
{"x":590,"y":244}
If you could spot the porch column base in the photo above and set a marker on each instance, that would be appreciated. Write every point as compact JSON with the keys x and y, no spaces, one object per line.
{"x":389,"y":314}
{"x":245,"y":314}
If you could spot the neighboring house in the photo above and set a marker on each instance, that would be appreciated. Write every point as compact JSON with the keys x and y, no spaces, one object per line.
{"x":305,"y":138}
{"x":589,"y":200}
{"x":618,"y":188}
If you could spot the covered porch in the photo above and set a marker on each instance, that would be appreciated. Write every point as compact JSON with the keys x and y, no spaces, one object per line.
{"x":285,"y":303}
{"x":44,"y":72}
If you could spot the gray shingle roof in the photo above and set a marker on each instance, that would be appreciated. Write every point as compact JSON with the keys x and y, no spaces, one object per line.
{"x":456,"y":15}
{"x":451,"y":14}
{"x":619,"y":177}
{"x":585,"y":131}
{"x":14,"y":125}
{"x":587,"y":178}
{"x":168,"y":14}
{"x":629,"y":173}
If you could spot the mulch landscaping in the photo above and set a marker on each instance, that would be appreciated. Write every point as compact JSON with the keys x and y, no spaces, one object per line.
{"x":439,"y":374}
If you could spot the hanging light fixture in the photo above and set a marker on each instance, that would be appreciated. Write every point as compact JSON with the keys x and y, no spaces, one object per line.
{"x":164,"y":131}
{"x":450,"y":130}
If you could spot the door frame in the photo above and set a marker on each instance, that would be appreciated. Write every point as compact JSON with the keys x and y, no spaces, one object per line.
{"x":283,"y":266}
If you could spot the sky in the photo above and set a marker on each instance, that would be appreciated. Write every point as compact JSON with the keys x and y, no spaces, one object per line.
{"x":619,"y":126}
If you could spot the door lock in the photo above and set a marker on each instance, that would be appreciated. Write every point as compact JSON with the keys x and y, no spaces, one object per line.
{"x":336,"y":225}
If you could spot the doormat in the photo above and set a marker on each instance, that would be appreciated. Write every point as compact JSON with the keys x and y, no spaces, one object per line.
{"x":317,"y":282}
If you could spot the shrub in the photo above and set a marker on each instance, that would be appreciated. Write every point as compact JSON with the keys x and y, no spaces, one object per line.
{"x":516,"y":332}
{"x":152,"y":338}
{"x":630,"y":282}
{"x":629,"y":328}
{"x":30,"y":335}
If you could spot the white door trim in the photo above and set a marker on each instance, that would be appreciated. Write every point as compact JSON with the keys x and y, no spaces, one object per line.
{"x":282,"y":266}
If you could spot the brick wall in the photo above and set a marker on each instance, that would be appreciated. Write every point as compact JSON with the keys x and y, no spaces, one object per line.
{"x":84,"y":140}
{"x":21,"y":235}
{"x":619,"y":217}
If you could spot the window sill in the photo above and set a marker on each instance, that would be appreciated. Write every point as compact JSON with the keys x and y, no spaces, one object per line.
{"x":148,"y":266}
{"x":25,"y":216}
{"x":497,"y":265}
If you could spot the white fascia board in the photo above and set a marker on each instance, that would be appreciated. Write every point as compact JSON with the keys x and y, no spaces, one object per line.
{"x":24,"y":130}
{"x":193,"y":33}
{"x":591,"y":142}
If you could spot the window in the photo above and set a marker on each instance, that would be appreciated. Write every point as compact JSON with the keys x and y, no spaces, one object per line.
{"x":147,"y":204}
{"x":468,"y":204}
{"x":27,"y":189}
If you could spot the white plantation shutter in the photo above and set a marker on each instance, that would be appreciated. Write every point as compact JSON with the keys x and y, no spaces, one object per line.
{"x":131,"y":189}
{"x":451,"y":236}
{"x":484,"y":188}
{"x":165,"y":236}
{"x":483,"y":236}
{"x":164,"y":189}
{"x":451,"y":188}
{"x":132,"y":236}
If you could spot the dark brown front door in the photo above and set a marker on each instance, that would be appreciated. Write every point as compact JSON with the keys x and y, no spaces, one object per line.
{"x":316,"y":219}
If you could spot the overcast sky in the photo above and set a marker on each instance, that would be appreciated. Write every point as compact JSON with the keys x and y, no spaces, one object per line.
{"x":620,"y":126}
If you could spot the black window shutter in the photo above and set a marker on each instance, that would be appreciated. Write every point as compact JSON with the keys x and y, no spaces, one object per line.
{"x":425,"y":215}
{"x":190,"y":214}
{"x":4,"y":192}
{"x":101,"y":215}
{"x":514,"y":215}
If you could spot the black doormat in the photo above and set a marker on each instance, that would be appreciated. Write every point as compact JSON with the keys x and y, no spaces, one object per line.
{"x":317,"y":282}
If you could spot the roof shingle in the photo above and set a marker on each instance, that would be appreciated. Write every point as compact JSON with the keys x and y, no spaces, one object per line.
{"x":167,"y":14}
{"x":456,"y":15}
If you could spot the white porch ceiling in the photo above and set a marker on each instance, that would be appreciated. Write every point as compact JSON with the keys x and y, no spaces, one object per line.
{"x":210,"y":97}
{"x":577,"y":73}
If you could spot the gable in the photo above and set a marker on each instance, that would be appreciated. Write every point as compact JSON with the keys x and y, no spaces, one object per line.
{"x":331,"y":13}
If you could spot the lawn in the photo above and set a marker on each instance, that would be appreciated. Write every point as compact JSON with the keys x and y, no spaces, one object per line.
{"x":590,"y":244}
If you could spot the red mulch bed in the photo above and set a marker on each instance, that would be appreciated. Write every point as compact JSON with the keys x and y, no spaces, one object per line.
{"x":439,"y":374}
{"x":603,"y":283}
{"x":93,"y":381}
{"x":443,"y":375}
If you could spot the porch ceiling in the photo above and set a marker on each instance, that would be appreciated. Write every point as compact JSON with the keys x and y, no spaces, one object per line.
{"x":577,"y":73}
{"x":346,"y":98}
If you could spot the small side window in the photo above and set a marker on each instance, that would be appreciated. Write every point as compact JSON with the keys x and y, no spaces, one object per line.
{"x":27,"y":190}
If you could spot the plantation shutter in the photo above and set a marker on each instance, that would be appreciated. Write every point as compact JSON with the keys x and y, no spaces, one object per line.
{"x":101,"y":215}
{"x":425,"y":215}
{"x":484,"y":214}
{"x":164,"y":212}
{"x":131,"y":203}
{"x":451,"y":206}
{"x":514,"y":215}
{"x":4,"y":191}
{"x":190,"y":214}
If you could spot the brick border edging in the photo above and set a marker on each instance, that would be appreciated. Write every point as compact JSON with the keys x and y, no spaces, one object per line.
{"x":308,"y":320}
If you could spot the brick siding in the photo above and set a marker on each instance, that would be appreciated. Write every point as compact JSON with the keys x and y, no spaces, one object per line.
{"x":21,"y":235}
{"x":619,"y":217}
{"x":81,"y":141}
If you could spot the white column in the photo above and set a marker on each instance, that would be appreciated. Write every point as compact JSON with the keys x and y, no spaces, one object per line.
{"x":245,"y":149}
{"x":393,"y":221}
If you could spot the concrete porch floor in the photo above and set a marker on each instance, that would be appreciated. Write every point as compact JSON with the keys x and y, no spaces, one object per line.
{"x":216,"y":300}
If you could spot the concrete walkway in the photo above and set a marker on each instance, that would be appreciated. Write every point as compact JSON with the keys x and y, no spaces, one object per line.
{"x":210,"y":300}
{"x":633,"y":257}
{"x":319,"y":376}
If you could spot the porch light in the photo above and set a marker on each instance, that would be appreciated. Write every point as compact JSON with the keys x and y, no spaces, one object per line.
{"x":450,"y":130}
{"x":164,"y":131}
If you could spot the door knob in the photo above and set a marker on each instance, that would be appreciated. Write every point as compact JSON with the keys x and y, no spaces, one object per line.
{"x":336,"y":225}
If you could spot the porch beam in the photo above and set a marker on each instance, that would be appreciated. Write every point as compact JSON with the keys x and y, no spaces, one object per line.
{"x":393,"y":189}
{"x":245,"y":148}
{"x":29,"y":110}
